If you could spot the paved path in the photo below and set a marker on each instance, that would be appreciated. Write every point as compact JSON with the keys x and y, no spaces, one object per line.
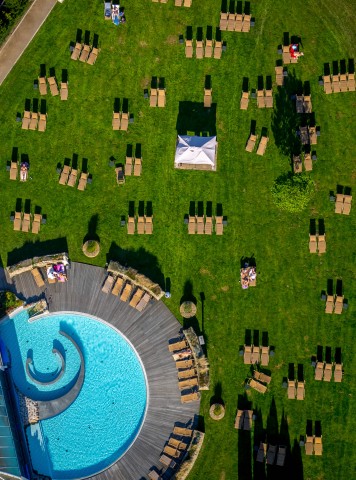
{"x":20,"y":38}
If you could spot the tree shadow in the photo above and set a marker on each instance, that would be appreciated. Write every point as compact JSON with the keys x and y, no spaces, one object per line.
{"x":296,"y":470}
{"x":194,"y":118}
{"x":217,"y":397}
{"x":92,"y":228}
{"x":37,"y":249}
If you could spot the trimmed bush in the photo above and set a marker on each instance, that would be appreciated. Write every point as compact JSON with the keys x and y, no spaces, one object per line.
{"x":292,"y":193}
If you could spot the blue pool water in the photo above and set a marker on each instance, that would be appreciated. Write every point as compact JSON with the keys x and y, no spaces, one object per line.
{"x":105,"y":418}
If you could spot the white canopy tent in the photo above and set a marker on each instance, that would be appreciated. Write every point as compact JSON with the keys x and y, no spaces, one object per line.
{"x":196,"y":153}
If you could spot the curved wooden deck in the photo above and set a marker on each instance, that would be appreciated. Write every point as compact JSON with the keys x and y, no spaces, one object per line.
{"x":149,"y":332}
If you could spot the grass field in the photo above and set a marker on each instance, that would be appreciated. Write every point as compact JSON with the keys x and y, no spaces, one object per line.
{"x":286,"y":302}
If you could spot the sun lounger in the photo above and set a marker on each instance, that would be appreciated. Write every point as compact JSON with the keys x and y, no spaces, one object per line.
{"x":199,"y":50}
{"x":207,"y":97}
{"x":208,"y":49}
{"x":319,"y":371}
{"x":176,"y":443}
{"x":247,"y":418}
{"x":53,"y":86}
{"x":143,"y":302}
{"x":286,"y":54}
{"x":180,"y":364}
{"x":330,"y":303}
{"x":124,"y":121}
{"x":257,"y":386}
{"x":64,"y":175}
{"x":328,"y":372}
{"x":300,"y":390}
{"x":84,"y":53}
{"x":176,"y":346}
{"x":34,"y":121}
{"x":93,"y":56}
{"x":153,"y":475}
{"x":327,"y":84}
{"x":42,"y":85}
{"x":244,"y":100}
{"x":108,"y":284}
{"x":188,"y":50}
{"x":72,"y":177}
{"x":26,"y":120}
{"x":318,"y":446}
{"x":187,"y":373}
{"x":25,"y":227}
{"x":136,"y":297}
{"x":37,"y":275}
{"x":312,"y":244}
{"x":36,"y":224}
{"x":153,"y":97}
{"x":261,"y":99}
{"x":223,"y":20}
{"x":299,"y":103}
{"x":148,"y":225}
{"x":251,"y":143}
{"x":126,"y":292}
{"x":255,"y":356}
{"x":141,"y":225}
{"x":261,"y":452}
{"x":262,"y":377}
{"x":208,"y":228}
{"x":200,"y":225}
{"x":190,"y":397}
{"x":339,"y":203}
{"x":264,"y":356}
{"x":17,"y":221}
{"x":161,"y":97}
{"x":321,"y":244}
{"x":192,"y":225}
{"x":13,"y":170}
{"x":131,"y":225}
{"x":118,"y":286}
{"x":76,"y":52}
{"x":218,"y":50}
{"x":271,"y":454}
{"x":338,"y":372}
{"x":120,"y":177}
{"x":219,"y":226}
{"x":187,"y":3}
{"x":238,"y":22}
{"x":268,"y":99}
{"x":309,"y":445}
{"x":185,"y":432}
{"x":347,"y":204}
{"x":42,"y":124}
{"x":182,"y":354}
{"x":339,"y":302}
{"x":291,"y":390}
{"x":262,"y":146}
{"x":351,"y":82}
{"x":188,"y":383}
{"x":171,"y":451}
{"x":64,"y":91}
{"x":167,"y":461}
{"x":83,"y":180}
{"x":297,"y":164}
{"x":335,"y":83}
{"x":308,"y":164}
{"x":231,"y":20}
{"x":116,"y":121}
{"x":307,"y":104}
{"x":281,"y":456}
{"x":304,"y":135}
{"x":248,"y":354}
{"x":239,"y":419}
{"x":137,"y":167}
{"x":313,"y":137}
{"x":128,"y":166}
{"x":279,"y":76}
{"x":246,"y":23}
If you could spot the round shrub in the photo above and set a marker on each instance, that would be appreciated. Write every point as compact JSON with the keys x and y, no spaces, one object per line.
{"x":292,"y":193}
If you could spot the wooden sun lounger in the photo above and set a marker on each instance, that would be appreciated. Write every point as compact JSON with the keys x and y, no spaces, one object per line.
{"x":347,"y":204}
{"x":136,"y":297}
{"x":185,"y":432}
{"x":351,"y":82}
{"x":72,"y":177}
{"x":262,"y":377}
{"x":124,"y":121}
{"x":308,"y":164}
{"x":218,"y":50}
{"x":264,"y":356}
{"x":171,"y":451}
{"x":200,"y":225}
{"x":318,"y":446}
{"x":53,"y":86}
{"x":167,"y":461}
{"x":188,"y":383}
{"x":319,"y":371}
{"x":207,"y":97}
{"x":37,"y":275}
{"x":93,"y":56}
{"x":153,"y":97}
{"x":251,"y":143}
{"x":120,"y":177}
{"x":64,"y":91}
{"x":208,"y":49}
{"x":281,"y":456}
{"x":299,"y":103}
{"x":42,"y":85}
{"x":36,"y":224}
{"x":262,"y":146}
{"x":188,"y":49}
{"x":338,"y":372}
{"x":25,"y":227}
{"x":271,"y":454}
{"x":339,"y":203}
{"x":161,"y":98}
{"x":248,"y":354}
{"x":330,"y":303}
{"x":141,"y":225}
{"x":257,"y":386}
{"x":291,"y":390}
{"x":76,"y":52}
{"x":148,"y":225}
{"x":328,"y":372}
{"x":116,"y":121}
{"x":26,"y":120}
{"x":321,"y":244}
{"x":261,"y":99}
{"x":84,"y":53}
{"x":268,"y":99}
{"x":118,"y":286}
{"x":128,"y":166}
{"x":246,"y":24}
{"x":192,"y":225}
{"x":137,"y":167}
{"x":208,"y":228}
{"x":181,"y":364}
{"x":13,"y":170}
{"x":34,"y":121}
{"x":304,"y":135}
{"x":153,"y":475}
{"x":143,"y":302}
{"x":199,"y":50}
{"x":339,"y":302}
{"x":312,"y":244}
{"x":191,"y":372}
{"x":239,"y":419}
{"x":17,"y":221}
{"x":262,"y":451}
{"x":255,"y":356}
{"x":279,"y":76}
{"x":244,"y":100}
{"x":248,"y":418}
{"x":176,"y":346}
{"x":300,"y":390}
{"x":238,"y":22}
{"x":182,"y":354}
{"x":307,"y":104}
{"x":108,"y":284}
{"x":190,"y":397}
{"x":313,"y":137}
{"x":309,"y":445}
{"x":42,"y":123}
{"x":335,"y":83}
{"x":297,"y":164}
{"x":176,"y":443}
{"x":83,"y":180}
{"x":223,"y":21}
{"x":125,"y":294}
{"x":219,"y":226}
{"x":231,"y":20}
{"x":327,"y":84}
{"x":64,"y":175}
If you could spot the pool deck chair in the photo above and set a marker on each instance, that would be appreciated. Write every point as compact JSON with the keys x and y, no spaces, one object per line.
{"x":262,"y":146}
{"x":176,"y":346}
{"x":128,"y":166}
{"x":136,"y":297}
{"x":26,"y":120}
{"x":200,"y":225}
{"x":93,"y":56}
{"x":25,"y":227}
{"x":347,"y":204}
{"x":137,"y":167}
{"x":124,"y":121}
{"x":291,"y":390}
{"x":218,"y":50}
{"x":190,"y":397}
{"x":271,"y":454}
{"x":308,"y":164}
{"x":339,"y":203}
{"x":268,"y":99}
{"x":351,"y":82}
{"x":307,"y":104}
{"x":281,"y":456}
{"x":319,"y":371}
{"x":279,"y":76}
{"x":189,"y":48}
{"x":187,"y":3}
{"x":313,"y":137}
{"x":328,"y":372}
{"x":120,"y":177}
{"x":339,"y":302}
{"x":182,"y":431}
{"x":231,"y":21}
{"x":148,"y":225}
{"x":238,"y":22}
{"x":171,"y":451}
{"x":248,"y":354}
{"x":42,"y":123}
{"x":257,"y":386}
{"x":192,"y":225}
{"x":34,"y":121}
{"x":73,"y":177}
{"x":187,"y":373}
{"x":109,"y":281}
{"x":312,"y":244}
{"x":330,"y":304}
{"x":300,"y":390}
{"x":167,"y":461}
{"x":248,"y":418}
{"x":264,"y":356}
{"x":261,"y":454}
{"x":251,"y":143}
{"x":327,"y":84}
{"x":208,"y":228}
{"x":37,"y":276}
{"x":261,"y":99}
{"x":83,"y":180}
{"x":208,"y":52}
{"x":118,"y":286}
{"x":161,"y":97}
{"x":184,"y":364}
{"x":63,"y":179}
{"x":53,"y":86}
{"x":153,"y":97}
{"x":297,"y":164}
{"x":262,"y":377}
{"x":239,"y":419}
{"x":336,"y":83}
{"x":140,"y":225}
{"x":338,"y":372}
{"x":207,"y":97}
{"x":76,"y":52}
{"x":84,"y":53}
{"x":13,"y":170}
{"x":189,"y":383}
{"x":318,"y":446}
{"x":42,"y":85}
{"x":116,"y":121}
{"x":199,"y":50}
{"x":255,"y":357}
{"x":246,"y":23}
{"x":299,"y":103}
{"x":17,"y":221}
{"x":143,"y":302}
{"x":177,"y":3}
{"x":219,"y":226}
{"x":223,"y":20}
{"x":244,"y":100}
{"x":309,"y":445}
{"x":131,"y":225}
{"x":126,"y":292}
{"x":153,"y":475}
{"x":321,"y":244}
{"x":36,"y":224}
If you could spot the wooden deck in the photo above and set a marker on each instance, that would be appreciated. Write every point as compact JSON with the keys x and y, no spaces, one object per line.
{"x":149,"y":332}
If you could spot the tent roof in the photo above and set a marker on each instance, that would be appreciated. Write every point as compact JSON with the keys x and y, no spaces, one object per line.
{"x":196,"y":150}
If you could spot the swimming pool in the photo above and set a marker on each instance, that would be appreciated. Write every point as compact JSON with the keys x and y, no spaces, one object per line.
{"x":104,"y":420}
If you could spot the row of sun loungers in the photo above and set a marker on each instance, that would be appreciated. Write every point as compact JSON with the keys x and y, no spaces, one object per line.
{"x":269,"y":454}
{"x":52,"y":82}
{"x":174,"y":450}
{"x":84,"y":53}
{"x":264,"y":98}
{"x":205,"y":225}
{"x":158,"y":97}
{"x":144,"y":225}
{"x":120,"y":121}
{"x":187,"y":374}
{"x":22,"y":222}
{"x":235,"y":22}
{"x":119,"y":287}
{"x":334,"y":304}
{"x":34,"y":121}
{"x":69,"y":176}
{"x":243,"y":420}
{"x":14,"y":170}
{"x":339,"y":83}
{"x":303,"y":104}
{"x":317,"y":244}
{"x":313,"y":445}
{"x":207,"y":48}
{"x":259,"y":387}
{"x":251,"y":143}
{"x":296,"y":390}
{"x":308,"y":135}
{"x":343,"y":204}
{"x":133,"y":166}
{"x":254,"y":354}
{"x":323,"y":371}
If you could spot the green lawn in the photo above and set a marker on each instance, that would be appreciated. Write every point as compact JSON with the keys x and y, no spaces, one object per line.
{"x":286,"y":302}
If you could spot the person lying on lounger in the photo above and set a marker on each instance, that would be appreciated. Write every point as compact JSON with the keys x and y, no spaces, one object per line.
{"x":24,"y":171}
{"x":294,"y":50}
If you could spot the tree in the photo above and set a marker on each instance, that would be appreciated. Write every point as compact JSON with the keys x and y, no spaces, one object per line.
{"x":292,"y":193}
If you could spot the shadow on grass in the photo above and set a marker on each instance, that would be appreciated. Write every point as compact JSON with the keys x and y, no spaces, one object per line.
{"x":37,"y":249}
{"x":194,"y":118}
{"x":92,"y":228}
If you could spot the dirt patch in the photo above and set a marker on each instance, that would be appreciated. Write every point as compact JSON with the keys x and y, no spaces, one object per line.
{"x":222,"y":475}
{"x":225,"y":288}
{"x":171,"y":39}
{"x":205,"y":271}
{"x":306,"y":338}
{"x":213,"y":297}
{"x":279,"y":366}
{"x":145,"y":82}
{"x":143,"y":44}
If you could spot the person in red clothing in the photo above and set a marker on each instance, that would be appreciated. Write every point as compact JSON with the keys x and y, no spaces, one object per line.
{"x":294,"y":51}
